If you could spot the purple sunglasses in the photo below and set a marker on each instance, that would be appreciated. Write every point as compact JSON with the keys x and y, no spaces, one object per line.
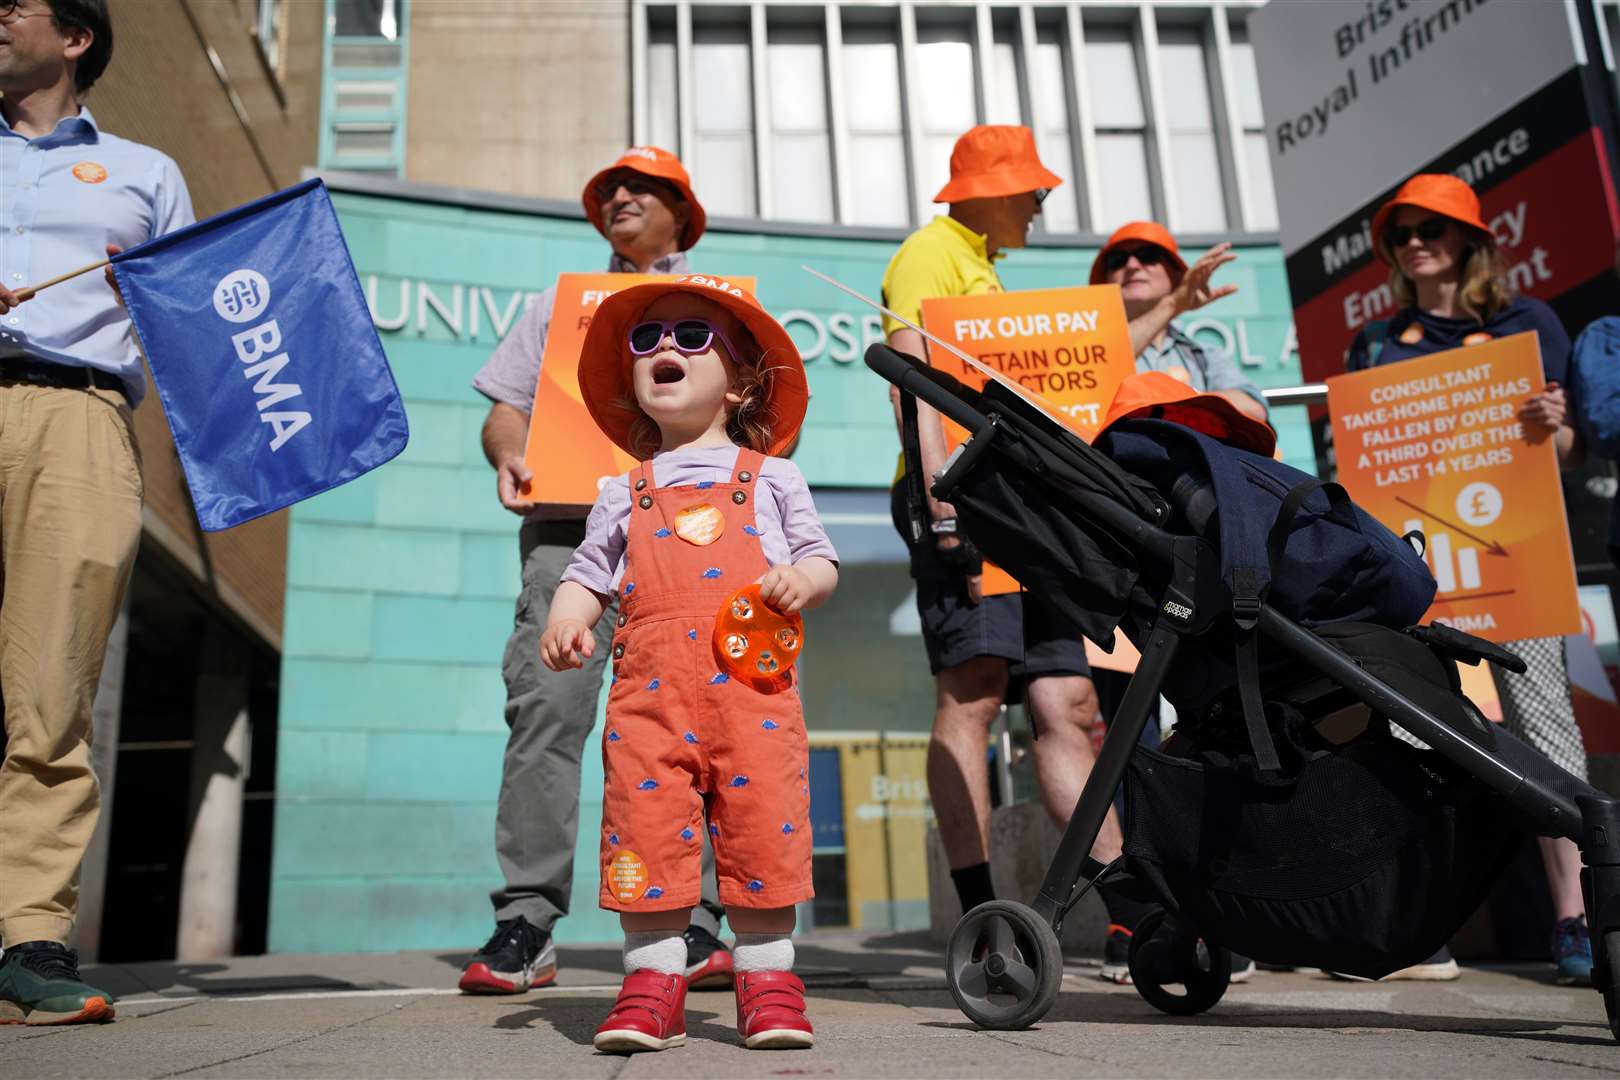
{"x":689,"y":335}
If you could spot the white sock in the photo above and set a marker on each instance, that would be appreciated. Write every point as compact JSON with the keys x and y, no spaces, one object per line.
{"x":656,"y":950}
{"x":763,"y":952}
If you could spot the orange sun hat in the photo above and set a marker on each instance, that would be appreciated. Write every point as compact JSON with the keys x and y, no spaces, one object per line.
{"x":605,"y":362}
{"x":1153,"y":395}
{"x":661,"y":165}
{"x":1141,"y":232}
{"x":992,"y":160}
{"x":1446,"y":195}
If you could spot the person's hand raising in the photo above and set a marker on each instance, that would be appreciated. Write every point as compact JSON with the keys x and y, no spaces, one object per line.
{"x":1195,"y":290}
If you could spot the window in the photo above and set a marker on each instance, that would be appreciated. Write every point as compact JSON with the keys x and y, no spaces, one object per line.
{"x":269,"y":29}
{"x":1194,"y":160}
{"x":1260,"y":200}
{"x":663,"y":115}
{"x":722,"y":161}
{"x":877,"y":141}
{"x":1050,"y":90}
{"x":801,"y":147}
{"x":367,"y":18}
{"x":363,"y":92}
{"x":840,"y":113}
{"x":945,"y":103}
{"x":1006,"y":76}
{"x":1114,"y":83}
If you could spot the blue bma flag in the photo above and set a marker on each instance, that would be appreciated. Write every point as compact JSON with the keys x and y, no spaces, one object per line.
{"x":261,"y":344}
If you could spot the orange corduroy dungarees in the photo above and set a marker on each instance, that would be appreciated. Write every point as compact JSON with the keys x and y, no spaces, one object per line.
{"x":682,"y":739}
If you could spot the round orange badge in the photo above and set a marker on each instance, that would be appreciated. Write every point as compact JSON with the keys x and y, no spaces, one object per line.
{"x":1478,"y":337}
{"x":89,"y":172}
{"x":627,"y":877}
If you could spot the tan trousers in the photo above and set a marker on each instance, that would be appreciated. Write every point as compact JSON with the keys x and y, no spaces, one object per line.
{"x":70,"y":521}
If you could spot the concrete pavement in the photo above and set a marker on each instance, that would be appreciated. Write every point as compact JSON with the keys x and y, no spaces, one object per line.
{"x":878,"y":1003}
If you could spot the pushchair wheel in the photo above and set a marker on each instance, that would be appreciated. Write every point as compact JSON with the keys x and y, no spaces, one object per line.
{"x":1003,"y":965}
{"x":1608,"y":978}
{"x":1165,"y":954}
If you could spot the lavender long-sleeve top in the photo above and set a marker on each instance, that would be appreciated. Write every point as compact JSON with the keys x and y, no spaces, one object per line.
{"x":784,"y":513}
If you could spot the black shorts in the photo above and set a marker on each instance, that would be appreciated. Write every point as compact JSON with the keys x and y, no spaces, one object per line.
{"x":1031,"y":638}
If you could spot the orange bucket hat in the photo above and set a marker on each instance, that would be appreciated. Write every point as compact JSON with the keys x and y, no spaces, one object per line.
{"x":662,"y":165}
{"x":1442,"y":193}
{"x":1153,"y":395}
{"x":605,"y":362}
{"x":993,"y":160}
{"x":1141,"y":232}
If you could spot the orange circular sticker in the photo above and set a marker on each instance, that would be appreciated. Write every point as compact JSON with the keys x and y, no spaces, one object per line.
{"x":89,"y":172}
{"x":701,"y":524}
{"x":1478,"y":337}
{"x":627,"y":877}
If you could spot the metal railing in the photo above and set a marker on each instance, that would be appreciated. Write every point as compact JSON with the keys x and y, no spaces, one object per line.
{"x":1308,"y":394}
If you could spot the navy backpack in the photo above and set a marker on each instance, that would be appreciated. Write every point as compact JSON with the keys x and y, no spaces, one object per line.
{"x":1285,"y":539}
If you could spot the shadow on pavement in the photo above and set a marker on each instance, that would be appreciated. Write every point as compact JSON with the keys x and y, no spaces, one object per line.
{"x":576,"y":1018}
{"x":126,"y":980}
{"x":1106,"y":1008}
{"x":829,"y":956}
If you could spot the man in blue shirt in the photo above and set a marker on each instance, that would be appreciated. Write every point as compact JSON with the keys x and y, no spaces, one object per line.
{"x":70,"y":477}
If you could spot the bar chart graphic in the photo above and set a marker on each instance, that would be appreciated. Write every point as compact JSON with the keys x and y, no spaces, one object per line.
{"x":1455,"y":568}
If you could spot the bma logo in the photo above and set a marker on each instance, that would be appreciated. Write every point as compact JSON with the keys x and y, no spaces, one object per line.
{"x":241,"y":295}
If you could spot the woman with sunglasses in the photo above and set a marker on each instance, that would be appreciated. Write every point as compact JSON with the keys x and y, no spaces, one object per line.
{"x":1157,"y":286}
{"x":1449,"y":280}
{"x":698,"y":382}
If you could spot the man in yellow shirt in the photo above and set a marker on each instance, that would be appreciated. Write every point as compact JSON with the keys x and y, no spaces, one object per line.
{"x":978,"y":644}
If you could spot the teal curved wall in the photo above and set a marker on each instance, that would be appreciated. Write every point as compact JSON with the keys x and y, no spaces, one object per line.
{"x":401,"y":584}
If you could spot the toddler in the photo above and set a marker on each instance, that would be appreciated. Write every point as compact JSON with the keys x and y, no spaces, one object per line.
{"x":694,"y":378}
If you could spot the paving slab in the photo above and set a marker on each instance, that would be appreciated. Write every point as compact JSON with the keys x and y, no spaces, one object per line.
{"x":879,"y":1004}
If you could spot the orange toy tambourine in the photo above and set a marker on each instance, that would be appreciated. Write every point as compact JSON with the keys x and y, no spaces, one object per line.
{"x":755,"y":642}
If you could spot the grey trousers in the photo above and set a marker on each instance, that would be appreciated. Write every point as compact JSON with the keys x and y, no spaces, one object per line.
{"x":550,"y":714}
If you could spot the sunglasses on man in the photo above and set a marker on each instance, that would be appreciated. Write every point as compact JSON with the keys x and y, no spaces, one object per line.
{"x":1146,"y":255}
{"x":635,"y":185}
{"x":1427,"y":230}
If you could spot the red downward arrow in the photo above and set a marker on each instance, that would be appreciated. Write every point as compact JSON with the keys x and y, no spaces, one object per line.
{"x":1490,"y":545}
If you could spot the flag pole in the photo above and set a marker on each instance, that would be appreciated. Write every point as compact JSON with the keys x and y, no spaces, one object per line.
{"x":27,"y":292}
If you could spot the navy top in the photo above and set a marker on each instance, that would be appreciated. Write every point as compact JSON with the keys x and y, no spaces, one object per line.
{"x":1439,"y":334}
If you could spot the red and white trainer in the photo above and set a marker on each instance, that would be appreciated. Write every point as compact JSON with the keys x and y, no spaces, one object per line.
{"x":519,"y":957}
{"x":649,"y":1014}
{"x":708,"y":961}
{"x":770,"y":1011}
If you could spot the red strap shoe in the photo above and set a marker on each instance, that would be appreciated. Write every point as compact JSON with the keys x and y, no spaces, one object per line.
{"x":650,"y":1014}
{"x":770,"y":1011}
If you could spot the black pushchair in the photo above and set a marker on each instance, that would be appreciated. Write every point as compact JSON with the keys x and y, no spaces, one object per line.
{"x":1362,"y":854}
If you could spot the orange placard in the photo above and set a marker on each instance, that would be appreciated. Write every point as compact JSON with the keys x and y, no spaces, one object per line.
{"x":568,"y":454}
{"x":1435,"y":444}
{"x":1071,"y":347}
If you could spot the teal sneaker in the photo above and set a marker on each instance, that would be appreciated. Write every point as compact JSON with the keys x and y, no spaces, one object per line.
{"x":40,"y":984}
{"x":1572,"y":948}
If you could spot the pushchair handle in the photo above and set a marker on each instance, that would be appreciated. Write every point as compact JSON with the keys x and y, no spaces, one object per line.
{"x":934,"y":388}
